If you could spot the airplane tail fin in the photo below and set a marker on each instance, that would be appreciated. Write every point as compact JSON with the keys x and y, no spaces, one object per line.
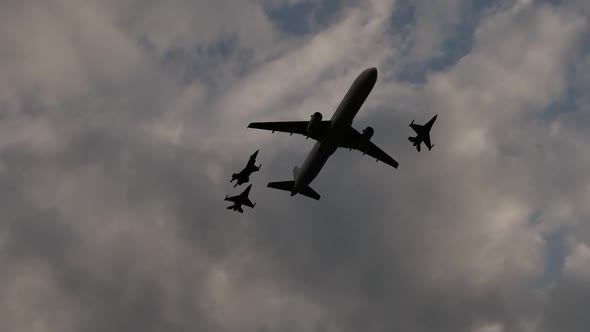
{"x":288,"y":186}
{"x":295,"y":172}
{"x":235,"y":208}
{"x":412,"y":139}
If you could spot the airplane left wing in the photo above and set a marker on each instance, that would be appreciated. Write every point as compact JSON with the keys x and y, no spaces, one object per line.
{"x":416,"y":127}
{"x":352,"y":142}
{"x":231,"y":199}
{"x":292,"y":127}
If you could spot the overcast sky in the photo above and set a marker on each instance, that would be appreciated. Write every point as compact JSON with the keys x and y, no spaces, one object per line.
{"x":121,"y":123}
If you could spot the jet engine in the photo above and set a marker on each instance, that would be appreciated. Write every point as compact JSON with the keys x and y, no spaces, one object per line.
{"x":365,"y":137}
{"x":314,"y":125}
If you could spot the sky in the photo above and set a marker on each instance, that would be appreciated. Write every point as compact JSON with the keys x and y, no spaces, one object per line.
{"x":121,"y":122}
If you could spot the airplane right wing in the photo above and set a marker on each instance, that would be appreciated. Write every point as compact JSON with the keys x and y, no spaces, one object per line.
{"x":426,"y":140}
{"x":292,"y":127}
{"x":352,"y":142}
{"x":248,"y":203}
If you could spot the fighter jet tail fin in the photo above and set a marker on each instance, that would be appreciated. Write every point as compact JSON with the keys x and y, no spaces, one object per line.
{"x":412,"y":139}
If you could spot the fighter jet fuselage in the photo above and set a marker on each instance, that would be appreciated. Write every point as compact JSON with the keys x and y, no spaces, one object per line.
{"x":239,"y":200}
{"x":244,"y":175}
{"x":422,"y":134}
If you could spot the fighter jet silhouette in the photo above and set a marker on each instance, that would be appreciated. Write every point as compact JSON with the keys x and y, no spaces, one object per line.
{"x":244,"y":175}
{"x":423,"y":134}
{"x":239,"y":200}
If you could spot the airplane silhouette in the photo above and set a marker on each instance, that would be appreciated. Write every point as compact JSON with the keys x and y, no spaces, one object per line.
{"x":244,"y":175}
{"x":330,"y":135}
{"x":423,"y":134}
{"x":239,"y":200}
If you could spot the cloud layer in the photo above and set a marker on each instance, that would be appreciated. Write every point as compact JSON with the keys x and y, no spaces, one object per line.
{"x":122,"y":121}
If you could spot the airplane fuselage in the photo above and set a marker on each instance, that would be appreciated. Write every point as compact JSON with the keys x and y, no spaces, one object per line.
{"x":340,"y":123}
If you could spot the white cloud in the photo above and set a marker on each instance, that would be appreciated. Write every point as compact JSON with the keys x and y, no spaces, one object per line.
{"x":577,"y":264}
{"x":114,"y":169}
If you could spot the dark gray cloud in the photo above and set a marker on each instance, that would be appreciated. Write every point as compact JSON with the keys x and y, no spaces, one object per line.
{"x":121,"y":122}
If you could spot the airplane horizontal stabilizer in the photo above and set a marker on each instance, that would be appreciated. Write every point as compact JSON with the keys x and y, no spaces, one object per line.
{"x":307,"y":191}
{"x":288,"y":186}
{"x":282,"y":185}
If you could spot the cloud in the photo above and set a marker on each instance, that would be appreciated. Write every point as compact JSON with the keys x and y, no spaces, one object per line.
{"x":121,"y":121}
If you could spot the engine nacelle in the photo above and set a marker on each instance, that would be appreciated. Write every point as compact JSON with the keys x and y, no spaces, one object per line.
{"x":365,"y":137}
{"x":314,"y":125}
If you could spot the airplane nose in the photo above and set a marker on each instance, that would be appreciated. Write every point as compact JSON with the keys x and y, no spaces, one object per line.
{"x":372,"y":72}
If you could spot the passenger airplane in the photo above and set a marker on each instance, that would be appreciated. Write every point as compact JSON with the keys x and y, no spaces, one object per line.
{"x":330,"y":135}
{"x":244,"y":175}
{"x":239,"y":200}
{"x":422,"y":134}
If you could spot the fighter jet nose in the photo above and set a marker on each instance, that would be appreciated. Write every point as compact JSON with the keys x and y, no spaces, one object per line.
{"x":372,"y":72}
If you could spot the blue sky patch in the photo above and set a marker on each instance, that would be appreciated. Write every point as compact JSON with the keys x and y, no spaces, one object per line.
{"x":458,"y":44}
{"x":304,"y":17}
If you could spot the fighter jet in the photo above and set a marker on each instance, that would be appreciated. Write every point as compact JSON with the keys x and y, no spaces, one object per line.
{"x":330,"y":135}
{"x":244,"y":175}
{"x":239,"y":200}
{"x":423,"y":134}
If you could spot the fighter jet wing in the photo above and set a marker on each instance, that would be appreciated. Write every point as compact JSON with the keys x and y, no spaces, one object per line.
{"x":232,"y":198}
{"x":292,"y":127}
{"x":426,"y":140}
{"x":248,"y":203}
{"x":351,"y":142}
{"x":416,"y":127}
